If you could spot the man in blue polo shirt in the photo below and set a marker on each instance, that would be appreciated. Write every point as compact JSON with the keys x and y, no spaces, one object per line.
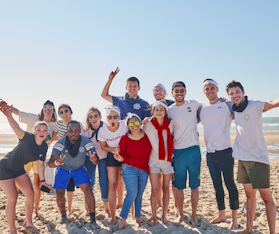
{"x":131,"y":102}
{"x":68,"y":155}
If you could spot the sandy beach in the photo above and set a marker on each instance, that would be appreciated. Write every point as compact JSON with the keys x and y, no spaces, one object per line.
{"x":207,"y":208}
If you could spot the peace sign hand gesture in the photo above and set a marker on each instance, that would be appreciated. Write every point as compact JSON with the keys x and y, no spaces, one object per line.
{"x":60,"y":160}
{"x":94,"y":158}
{"x":113,"y":74}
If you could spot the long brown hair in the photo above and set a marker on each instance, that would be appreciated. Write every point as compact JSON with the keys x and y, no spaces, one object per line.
{"x":54,"y":116}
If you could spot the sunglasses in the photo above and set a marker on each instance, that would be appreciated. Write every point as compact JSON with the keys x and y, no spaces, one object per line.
{"x":114,"y":117}
{"x":179,"y":90}
{"x":61,"y":112}
{"x":135,"y":123}
{"x":95,"y":116}
{"x":158,"y":91}
{"x":48,"y":107}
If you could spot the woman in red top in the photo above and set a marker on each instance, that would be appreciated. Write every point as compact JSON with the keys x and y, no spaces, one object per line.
{"x":135,"y":150}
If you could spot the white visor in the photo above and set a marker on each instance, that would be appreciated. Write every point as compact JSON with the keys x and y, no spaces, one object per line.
{"x":112,"y":108}
{"x":210,"y":82}
{"x":158,"y":103}
{"x":162,"y":86}
{"x":131,"y":115}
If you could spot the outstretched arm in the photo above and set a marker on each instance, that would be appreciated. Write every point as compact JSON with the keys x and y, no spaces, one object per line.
{"x":271,"y":104}
{"x":105,"y":94}
{"x":7,"y":111}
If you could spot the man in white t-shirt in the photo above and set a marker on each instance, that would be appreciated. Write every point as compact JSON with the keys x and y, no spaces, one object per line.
{"x":216,"y":117}
{"x":251,"y":151}
{"x":187,"y":156}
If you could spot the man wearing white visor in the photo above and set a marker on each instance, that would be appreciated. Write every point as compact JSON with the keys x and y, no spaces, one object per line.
{"x":216,"y":117}
{"x":160,"y":94}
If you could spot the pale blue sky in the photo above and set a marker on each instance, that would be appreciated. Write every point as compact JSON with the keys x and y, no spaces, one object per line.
{"x":65,"y":50}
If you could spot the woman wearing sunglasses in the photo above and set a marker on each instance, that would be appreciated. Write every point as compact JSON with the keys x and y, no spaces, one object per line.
{"x":90,"y":130}
{"x":109,"y":137}
{"x":32,"y":147}
{"x":48,"y":115}
{"x":65,"y":112}
{"x":134,"y":153}
{"x":159,"y":131}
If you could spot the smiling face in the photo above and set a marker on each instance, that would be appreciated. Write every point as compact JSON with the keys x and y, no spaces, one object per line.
{"x":179,"y":94}
{"x":48,"y":110}
{"x":135,"y":128}
{"x":65,"y":114}
{"x":210,"y":90}
{"x":236,"y":95}
{"x":95,"y":119}
{"x":132,"y":89}
{"x":159,"y":112}
{"x":159,"y":93}
{"x":73,"y":132}
{"x":40,"y":133}
{"x":113,"y":120}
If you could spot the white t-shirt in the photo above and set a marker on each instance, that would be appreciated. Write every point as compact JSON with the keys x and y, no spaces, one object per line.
{"x":31,"y":119}
{"x":112,"y":138}
{"x":152,"y":134}
{"x":249,"y":144}
{"x":216,"y":119}
{"x":100,"y":152}
{"x":185,"y":129}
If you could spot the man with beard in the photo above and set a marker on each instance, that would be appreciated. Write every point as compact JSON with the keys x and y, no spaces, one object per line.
{"x":216,"y":117}
{"x":187,"y":155}
{"x":68,"y":155}
{"x":252,"y":154}
{"x":131,"y":102}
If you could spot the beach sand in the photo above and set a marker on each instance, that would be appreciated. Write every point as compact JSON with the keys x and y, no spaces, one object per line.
{"x":207,"y":209}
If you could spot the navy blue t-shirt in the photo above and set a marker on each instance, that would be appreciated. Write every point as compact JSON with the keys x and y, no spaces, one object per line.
{"x":140,"y":107}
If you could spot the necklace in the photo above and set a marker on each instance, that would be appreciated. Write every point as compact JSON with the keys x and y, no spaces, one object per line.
{"x":135,"y":138}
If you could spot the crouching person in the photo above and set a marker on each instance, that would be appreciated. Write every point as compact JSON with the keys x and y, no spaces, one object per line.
{"x":68,"y":155}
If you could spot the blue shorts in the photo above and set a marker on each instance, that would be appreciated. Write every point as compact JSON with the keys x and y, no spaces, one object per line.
{"x":62,"y":177}
{"x":184,"y":160}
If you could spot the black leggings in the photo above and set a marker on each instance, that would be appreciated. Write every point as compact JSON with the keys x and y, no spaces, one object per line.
{"x":222,"y":161}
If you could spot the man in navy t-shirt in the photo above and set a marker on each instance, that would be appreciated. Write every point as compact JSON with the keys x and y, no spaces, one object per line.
{"x":131,"y":102}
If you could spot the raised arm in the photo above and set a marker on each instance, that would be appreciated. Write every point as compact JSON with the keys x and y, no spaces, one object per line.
{"x":271,"y":104}
{"x":7,"y":111}
{"x":105,"y":94}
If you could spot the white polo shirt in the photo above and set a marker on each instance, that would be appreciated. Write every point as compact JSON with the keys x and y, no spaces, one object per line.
{"x":250,"y":144}
{"x":185,"y":129}
{"x":216,"y":119}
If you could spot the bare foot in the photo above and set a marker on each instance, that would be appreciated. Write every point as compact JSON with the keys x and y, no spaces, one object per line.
{"x":233,"y":226}
{"x":108,"y":213}
{"x":246,"y":230}
{"x":15,"y":232}
{"x":153,"y":221}
{"x":69,"y":212}
{"x":122,"y":224}
{"x":139,"y":221}
{"x":194,"y":222}
{"x":119,"y":206}
{"x":112,"y":221}
{"x":164,"y":220}
{"x":218,"y":219}
{"x":179,"y":219}
{"x":30,"y":225}
{"x":84,"y":214}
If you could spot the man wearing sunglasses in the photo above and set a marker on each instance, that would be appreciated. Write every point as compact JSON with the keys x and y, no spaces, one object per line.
{"x":131,"y":102}
{"x":216,"y":117}
{"x":160,"y":93}
{"x":187,"y":156}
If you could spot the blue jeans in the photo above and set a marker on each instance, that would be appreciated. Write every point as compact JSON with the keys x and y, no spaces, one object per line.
{"x":135,"y":182}
{"x":103,"y":176}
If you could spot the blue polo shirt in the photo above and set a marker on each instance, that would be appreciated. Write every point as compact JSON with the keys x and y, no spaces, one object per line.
{"x":70,"y":163}
{"x":140,"y":107}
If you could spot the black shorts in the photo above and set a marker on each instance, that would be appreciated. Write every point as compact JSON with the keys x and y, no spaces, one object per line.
{"x":71,"y":185}
{"x":6,"y":174}
{"x":111,"y":161}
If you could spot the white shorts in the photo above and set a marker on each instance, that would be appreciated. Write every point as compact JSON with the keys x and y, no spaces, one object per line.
{"x":164,"y":166}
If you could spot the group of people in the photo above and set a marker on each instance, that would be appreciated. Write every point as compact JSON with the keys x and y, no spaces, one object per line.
{"x":140,"y":141}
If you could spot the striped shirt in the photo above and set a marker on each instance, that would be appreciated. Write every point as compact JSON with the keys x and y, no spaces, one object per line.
{"x":61,"y":128}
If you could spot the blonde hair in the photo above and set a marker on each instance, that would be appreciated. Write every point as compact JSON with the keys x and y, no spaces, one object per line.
{"x":86,"y":122}
{"x":37,"y":124}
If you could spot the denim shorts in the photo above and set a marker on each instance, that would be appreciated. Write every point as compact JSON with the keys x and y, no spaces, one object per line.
{"x":164,"y":166}
{"x":184,"y":160}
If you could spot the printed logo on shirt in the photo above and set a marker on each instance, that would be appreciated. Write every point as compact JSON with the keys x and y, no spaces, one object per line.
{"x":136,"y":106}
{"x":246,"y":117}
{"x":189,"y":109}
{"x":40,"y":155}
{"x":81,"y":149}
{"x":219,"y":107}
